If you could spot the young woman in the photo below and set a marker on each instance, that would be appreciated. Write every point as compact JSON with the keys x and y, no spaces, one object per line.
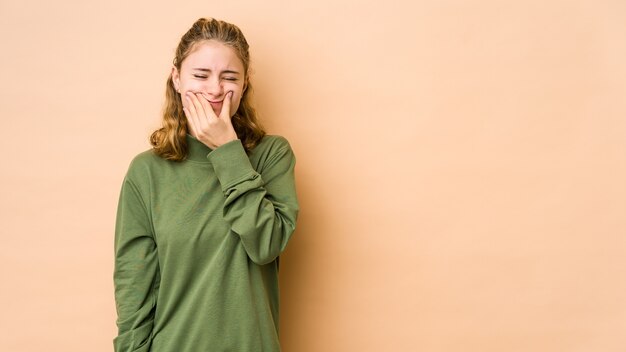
{"x":205,"y":213}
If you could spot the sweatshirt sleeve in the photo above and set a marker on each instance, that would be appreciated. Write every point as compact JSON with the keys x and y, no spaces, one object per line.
{"x":261,"y":208}
{"x":136,"y":273}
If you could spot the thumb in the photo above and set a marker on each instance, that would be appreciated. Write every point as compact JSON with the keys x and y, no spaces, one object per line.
{"x":225,"y":113}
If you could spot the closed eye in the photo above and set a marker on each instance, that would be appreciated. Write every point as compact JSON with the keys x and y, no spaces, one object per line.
{"x":227,"y":78}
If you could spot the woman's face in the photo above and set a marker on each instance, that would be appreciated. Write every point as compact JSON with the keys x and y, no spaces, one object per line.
{"x":213,"y":69}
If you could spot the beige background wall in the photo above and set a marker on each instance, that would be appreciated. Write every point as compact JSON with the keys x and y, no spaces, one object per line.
{"x":461,"y":167}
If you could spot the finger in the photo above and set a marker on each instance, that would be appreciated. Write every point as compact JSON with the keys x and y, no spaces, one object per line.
{"x":206,"y":106}
{"x":200,"y":114}
{"x":190,"y":123}
{"x":225,"y":113}
{"x":208,"y":109}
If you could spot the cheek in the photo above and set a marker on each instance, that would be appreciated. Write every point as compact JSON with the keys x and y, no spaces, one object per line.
{"x":192,"y":86}
{"x":237,"y":102}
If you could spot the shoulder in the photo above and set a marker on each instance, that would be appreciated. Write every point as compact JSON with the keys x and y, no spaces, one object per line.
{"x":141,"y":164}
{"x":270,"y":149}
{"x":274,"y":143}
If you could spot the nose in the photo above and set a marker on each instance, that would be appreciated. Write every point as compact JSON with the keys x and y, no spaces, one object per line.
{"x":214,"y":88}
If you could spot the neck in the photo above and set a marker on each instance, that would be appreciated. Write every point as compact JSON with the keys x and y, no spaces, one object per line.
{"x":197,"y":151}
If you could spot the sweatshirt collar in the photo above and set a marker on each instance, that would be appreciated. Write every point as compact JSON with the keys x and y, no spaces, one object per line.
{"x":197,"y":151}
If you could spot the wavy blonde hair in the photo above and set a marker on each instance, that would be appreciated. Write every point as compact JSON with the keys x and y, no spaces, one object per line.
{"x":170,"y":140}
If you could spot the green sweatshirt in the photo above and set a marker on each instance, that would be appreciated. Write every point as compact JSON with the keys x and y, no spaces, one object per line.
{"x":197,"y":247}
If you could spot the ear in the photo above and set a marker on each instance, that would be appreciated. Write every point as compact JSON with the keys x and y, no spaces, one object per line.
{"x":175,"y":78}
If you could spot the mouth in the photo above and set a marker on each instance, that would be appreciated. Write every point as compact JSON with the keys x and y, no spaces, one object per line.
{"x":216,"y":105}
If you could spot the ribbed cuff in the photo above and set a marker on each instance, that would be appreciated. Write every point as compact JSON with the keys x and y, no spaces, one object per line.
{"x":231,"y":163}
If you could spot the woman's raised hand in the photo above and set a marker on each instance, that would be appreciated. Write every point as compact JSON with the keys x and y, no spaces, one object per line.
{"x":204,"y":124}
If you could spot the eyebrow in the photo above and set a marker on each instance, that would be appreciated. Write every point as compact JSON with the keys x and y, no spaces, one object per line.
{"x":207,"y":70}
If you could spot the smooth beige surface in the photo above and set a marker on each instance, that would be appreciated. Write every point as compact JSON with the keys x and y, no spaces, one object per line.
{"x":461,"y":167}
